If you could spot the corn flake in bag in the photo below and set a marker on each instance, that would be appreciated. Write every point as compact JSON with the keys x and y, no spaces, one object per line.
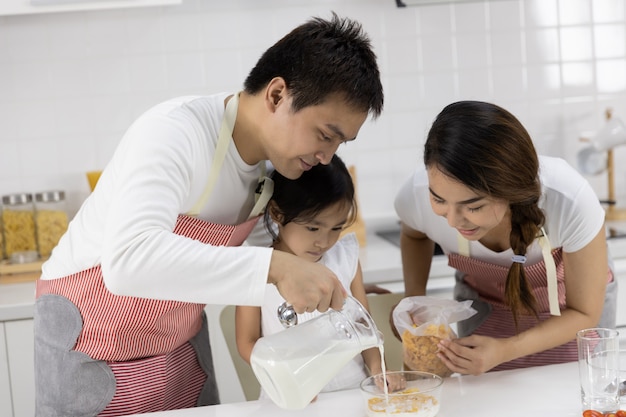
{"x":423,"y":321}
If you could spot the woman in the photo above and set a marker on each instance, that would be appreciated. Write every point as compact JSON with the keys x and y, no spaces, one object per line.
{"x":525,"y":233}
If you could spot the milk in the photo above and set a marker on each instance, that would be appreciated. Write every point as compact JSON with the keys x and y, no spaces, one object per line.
{"x":295,"y":364}
{"x":381,"y":350}
{"x":294,"y":382}
{"x":429,"y":408}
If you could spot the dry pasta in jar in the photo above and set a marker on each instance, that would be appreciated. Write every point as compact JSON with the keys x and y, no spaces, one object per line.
{"x":50,"y":220}
{"x":18,"y":220}
{"x":1,"y":236}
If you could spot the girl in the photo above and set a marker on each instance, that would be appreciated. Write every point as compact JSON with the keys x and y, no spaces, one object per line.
{"x":310,"y":214}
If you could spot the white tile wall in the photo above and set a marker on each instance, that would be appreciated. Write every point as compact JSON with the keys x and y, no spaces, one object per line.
{"x":70,"y":83}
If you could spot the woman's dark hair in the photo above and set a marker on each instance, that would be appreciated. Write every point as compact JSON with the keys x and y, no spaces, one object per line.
{"x":302,"y":199}
{"x":486,"y":148}
{"x":320,"y":58}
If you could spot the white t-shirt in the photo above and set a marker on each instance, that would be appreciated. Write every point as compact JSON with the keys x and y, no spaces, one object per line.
{"x":343,"y":260}
{"x":573,"y":214}
{"x":159,"y":170}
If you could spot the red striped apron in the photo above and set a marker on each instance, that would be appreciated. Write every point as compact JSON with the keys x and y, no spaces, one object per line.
{"x":488,"y":280}
{"x":144,"y":341}
{"x":156,"y":353}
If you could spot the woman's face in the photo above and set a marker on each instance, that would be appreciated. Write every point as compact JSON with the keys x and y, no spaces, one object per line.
{"x":473,"y":215}
{"x":312,"y":239}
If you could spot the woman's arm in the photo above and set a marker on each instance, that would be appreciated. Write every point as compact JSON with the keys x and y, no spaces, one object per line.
{"x":417,"y":254}
{"x":586,"y":274}
{"x":247,"y":329}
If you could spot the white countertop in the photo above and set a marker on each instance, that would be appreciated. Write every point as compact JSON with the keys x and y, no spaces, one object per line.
{"x":381,"y":262}
{"x":551,"y":390}
{"x":17,"y":301}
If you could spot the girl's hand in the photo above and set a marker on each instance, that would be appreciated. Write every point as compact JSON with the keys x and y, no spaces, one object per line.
{"x":472,"y":355}
{"x":395,"y":382}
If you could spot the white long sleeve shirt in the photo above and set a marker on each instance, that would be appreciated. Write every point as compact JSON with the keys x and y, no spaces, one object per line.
{"x":160,"y":170}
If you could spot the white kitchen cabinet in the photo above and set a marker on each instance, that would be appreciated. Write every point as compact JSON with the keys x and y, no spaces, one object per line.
{"x":21,"y":368}
{"x":16,"y":7}
{"x":6,"y":404}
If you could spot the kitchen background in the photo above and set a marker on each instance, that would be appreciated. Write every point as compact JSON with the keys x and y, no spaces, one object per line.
{"x":72,"y":82}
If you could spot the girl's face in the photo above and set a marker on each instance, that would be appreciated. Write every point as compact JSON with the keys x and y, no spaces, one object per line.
{"x":312,"y":239}
{"x":474,"y":216}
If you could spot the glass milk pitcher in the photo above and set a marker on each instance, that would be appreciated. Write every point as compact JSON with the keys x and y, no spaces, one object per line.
{"x":294,"y":365}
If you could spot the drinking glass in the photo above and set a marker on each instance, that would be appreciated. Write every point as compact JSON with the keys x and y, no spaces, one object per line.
{"x":598,"y":365}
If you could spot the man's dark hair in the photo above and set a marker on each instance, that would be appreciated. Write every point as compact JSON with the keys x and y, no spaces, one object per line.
{"x":320,"y":58}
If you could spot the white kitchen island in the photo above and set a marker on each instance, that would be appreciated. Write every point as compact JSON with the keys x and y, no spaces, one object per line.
{"x":538,"y":391}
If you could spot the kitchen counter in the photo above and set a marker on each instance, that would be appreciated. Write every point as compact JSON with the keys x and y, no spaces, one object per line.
{"x":382,"y":265}
{"x":17,"y":301}
{"x":551,"y":390}
{"x":381,"y":261}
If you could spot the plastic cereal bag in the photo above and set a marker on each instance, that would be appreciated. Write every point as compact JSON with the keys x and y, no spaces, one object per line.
{"x":423,"y":321}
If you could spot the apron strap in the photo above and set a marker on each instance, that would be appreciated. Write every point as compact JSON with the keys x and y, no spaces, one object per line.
{"x":223,"y":140}
{"x":464,"y":245}
{"x":264,"y":190}
{"x":546,"y":251}
{"x":553,"y":294}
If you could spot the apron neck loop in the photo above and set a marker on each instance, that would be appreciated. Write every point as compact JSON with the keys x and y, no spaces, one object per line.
{"x":265,"y":187}
{"x":546,"y":252}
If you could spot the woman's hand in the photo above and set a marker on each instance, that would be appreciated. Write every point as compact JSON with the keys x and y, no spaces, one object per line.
{"x":472,"y":355}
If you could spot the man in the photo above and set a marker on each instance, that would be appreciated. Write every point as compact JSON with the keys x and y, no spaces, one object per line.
{"x":119,"y":324}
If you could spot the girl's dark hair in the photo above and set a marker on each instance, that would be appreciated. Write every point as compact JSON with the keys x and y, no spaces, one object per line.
{"x":320,"y":58}
{"x":302,"y":199}
{"x":486,"y":148}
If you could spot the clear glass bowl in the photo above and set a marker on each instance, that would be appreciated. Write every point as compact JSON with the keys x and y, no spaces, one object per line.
{"x":419,"y":397}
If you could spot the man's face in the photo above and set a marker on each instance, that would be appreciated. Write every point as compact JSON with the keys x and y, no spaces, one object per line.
{"x":298,"y":141}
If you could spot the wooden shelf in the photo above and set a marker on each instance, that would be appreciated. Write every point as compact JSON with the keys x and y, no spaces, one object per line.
{"x":12,"y":273}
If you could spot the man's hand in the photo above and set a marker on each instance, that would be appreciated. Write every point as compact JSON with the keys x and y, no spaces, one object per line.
{"x":307,"y":286}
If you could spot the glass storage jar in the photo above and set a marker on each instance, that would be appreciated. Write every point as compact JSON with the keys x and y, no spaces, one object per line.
{"x":18,"y":220}
{"x":2,"y":254}
{"x":50,"y":220}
